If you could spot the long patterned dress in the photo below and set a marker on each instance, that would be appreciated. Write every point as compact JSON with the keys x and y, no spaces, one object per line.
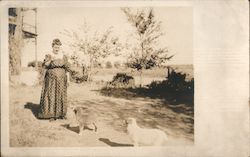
{"x":53,"y":102}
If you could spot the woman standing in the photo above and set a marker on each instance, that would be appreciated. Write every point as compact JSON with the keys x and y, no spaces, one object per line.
{"x":53,"y":102}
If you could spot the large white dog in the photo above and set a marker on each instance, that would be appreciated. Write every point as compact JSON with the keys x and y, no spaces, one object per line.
{"x":143,"y":136}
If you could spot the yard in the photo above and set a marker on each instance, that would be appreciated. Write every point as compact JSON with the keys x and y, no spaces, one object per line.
{"x":176,"y":120}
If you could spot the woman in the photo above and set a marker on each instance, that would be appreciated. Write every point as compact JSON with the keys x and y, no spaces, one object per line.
{"x":53,"y":100}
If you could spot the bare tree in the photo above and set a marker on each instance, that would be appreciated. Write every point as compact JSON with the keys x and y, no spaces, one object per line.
{"x":146,"y":54}
{"x":92,"y":46}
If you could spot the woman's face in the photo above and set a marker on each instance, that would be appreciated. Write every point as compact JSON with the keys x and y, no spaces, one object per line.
{"x":56,"y":49}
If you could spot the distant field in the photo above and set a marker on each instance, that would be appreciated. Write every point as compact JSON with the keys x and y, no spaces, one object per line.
{"x":155,"y":74}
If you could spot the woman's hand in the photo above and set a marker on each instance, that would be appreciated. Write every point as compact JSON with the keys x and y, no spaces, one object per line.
{"x":47,"y":61}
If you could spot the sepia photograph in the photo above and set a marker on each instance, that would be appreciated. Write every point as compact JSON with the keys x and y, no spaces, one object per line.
{"x":107,"y":76}
{"x":125,"y":78}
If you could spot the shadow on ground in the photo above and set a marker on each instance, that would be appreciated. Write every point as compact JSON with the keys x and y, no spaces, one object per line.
{"x":74,"y":129}
{"x":149,"y":114}
{"x":114,"y":144}
{"x":177,"y":102}
{"x":33,"y":107}
{"x":174,"y":98}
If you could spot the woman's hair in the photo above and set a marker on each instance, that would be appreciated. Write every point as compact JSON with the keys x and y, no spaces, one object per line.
{"x":56,"y":42}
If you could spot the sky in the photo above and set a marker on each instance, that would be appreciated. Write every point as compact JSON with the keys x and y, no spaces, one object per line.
{"x":177,"y":26}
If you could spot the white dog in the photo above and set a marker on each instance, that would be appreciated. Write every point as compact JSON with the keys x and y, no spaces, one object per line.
{"x":149,"y":137}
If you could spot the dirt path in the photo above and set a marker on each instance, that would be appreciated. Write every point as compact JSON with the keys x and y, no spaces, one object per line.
{"x":27,"y":130}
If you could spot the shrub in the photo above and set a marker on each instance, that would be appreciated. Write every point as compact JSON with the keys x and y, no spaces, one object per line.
{"x":108,"y":65}
{"x":122,"y":80}
{"x":78,"y":74}
{"x":176,"y":88}
{"x":175,"y":82}
{"x":33,"y":64}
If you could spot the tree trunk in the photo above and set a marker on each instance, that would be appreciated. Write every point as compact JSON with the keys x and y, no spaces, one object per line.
{"x":90,"y":74}
{"x":90,"y":70}
{"x":140,"y":78}
{"x":142,"y":58}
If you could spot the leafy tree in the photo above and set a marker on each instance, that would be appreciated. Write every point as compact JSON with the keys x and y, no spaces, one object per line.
{"x":92,"y":46}
{"x":146,"y":54}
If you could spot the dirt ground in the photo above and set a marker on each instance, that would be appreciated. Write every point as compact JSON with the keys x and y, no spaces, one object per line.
{"x":26,"y":130}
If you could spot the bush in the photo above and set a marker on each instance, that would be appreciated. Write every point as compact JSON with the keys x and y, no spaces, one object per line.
{"x":122,"y":80}
{"x":33,"y":64}
{"x":176,"y":88}
{"x":175,"y":82}
{"x":78,"y":74}
{"x":108,"y":65}
{"x":79,"y":78}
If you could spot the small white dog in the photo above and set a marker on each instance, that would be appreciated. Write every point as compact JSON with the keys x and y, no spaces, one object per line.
{"x":142,"y":136}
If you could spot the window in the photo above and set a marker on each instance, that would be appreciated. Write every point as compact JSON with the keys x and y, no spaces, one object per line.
{"x":12,"y":12}
{"x":12,"y":28}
